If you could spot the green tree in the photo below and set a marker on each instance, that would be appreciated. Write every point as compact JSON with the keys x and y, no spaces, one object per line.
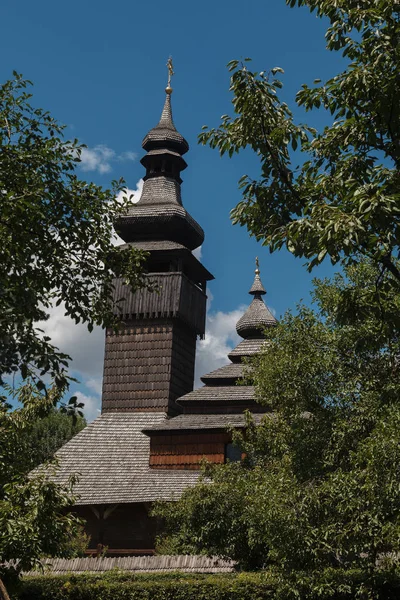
{"x":55,"y":248}
{"x":319,"y":487}
{"x":344,"y":197}
{"x":55,"y":238}
{"x":34,"y":516}
{"x":44,"y":436}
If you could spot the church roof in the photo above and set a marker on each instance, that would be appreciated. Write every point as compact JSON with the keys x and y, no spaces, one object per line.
{"x":165,"y":134}
{"x":111,"y":458}
{"x":200,"y":422}
{"x":257,"y":317}
{"x":230,"y":394}
{"x":160,"y":217}
{"x":159,"y":213}
{"x":232,"y":371}
{"x":246,"y":349}
{"x":221,"y":391}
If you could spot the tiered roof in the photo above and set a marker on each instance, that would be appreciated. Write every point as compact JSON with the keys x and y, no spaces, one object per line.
{"x":221,"y":400}
{"x":159,"y":214}
{"x":257,"y":317}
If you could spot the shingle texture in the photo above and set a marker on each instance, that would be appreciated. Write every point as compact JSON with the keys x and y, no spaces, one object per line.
{"x":227,"y":372}
{"x":159,"y":214}
{"x":111,"y":458}
{"x":255,"y":319}
{"x":246,"y":348}
{"x":229,"y":394}
{"x":148,"y":364}
{"x":200,"y":422}
{"x":165,"y":132}
{"x":156,"y":219}
{"x":158,"y":190}
{"x":257,"y":287}
{"x":155,"y":245}
{"x":144,"y":564}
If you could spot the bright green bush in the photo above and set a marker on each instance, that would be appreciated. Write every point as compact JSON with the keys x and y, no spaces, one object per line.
{"x":171,"y":586}
{"x":332,"y":584}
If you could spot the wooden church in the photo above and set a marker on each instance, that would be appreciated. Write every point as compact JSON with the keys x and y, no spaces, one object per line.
{"x":155,"y":430}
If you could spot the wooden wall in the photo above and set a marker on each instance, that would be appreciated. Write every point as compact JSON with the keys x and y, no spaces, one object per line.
{"x":123,"y":528}
{"x":175,"y":295}
{"x":148,"y":364}
{"x":187,"y":450}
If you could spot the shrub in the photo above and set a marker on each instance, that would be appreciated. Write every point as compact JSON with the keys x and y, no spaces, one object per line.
{"x":331,"y":584}
{"x":170,"y":586}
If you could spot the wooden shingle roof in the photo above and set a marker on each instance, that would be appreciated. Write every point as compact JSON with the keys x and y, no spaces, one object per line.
{"x":159,"y":214}
{"x":187,"y":422}
{"x":230,"y":394}
{"x":256,"y":318}
{"x":111,"y":458}
{"x":165,"y":134}
{"x":246,"y":348}
{"x":230,"y":372}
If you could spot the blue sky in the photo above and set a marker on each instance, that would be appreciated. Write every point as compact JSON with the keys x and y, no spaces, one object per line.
{"x":99,"y":67}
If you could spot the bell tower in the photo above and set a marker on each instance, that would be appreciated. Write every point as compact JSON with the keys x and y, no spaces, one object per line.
{"x":149,"y":362}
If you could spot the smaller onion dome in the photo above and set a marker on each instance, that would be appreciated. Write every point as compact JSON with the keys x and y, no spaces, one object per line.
{"x":257,"y":317}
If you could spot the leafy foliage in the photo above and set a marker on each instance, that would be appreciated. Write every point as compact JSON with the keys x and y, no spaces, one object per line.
{"x":167,"y":586}
{"x":45,"y":435}
{"x":243,"y":586}
{"x":319,"y":487}
{"x":344,"y":197}
{"x":34,"y":517}
{"x":55,"y":248}
{"x":55,"y":238}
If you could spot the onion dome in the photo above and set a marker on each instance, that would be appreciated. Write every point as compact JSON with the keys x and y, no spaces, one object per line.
{"x":257,"y":317}
{"x":159,"y":214}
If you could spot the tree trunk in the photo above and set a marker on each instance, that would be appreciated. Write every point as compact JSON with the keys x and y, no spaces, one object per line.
{"x":3,"y":592}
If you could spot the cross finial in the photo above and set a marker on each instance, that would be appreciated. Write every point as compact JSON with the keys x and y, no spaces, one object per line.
{"x":257,"y":266}
{"x":170,"y":68}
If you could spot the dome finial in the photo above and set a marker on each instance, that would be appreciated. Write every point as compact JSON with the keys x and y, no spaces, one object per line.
{"x":257,"y":288}
{"x":257,"y":317}
{"x":171,"y":72}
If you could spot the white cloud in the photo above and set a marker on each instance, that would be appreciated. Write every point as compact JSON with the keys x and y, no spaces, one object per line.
{"x":92,"y":408}
{"x":95,"y":384}
{"x":220,"y":339}
{"x":197,"y":252}
{"x":129,"y":155}
{"x":87,"y":352}
{"x":100,"y":158}
{"x":136,"y":194}
{"x":86,"y":349}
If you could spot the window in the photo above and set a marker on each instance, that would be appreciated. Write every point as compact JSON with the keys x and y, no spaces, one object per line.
{"x":232,"y":453}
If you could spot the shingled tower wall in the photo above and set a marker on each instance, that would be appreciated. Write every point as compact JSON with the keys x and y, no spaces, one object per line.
{"x":149,"y":362}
